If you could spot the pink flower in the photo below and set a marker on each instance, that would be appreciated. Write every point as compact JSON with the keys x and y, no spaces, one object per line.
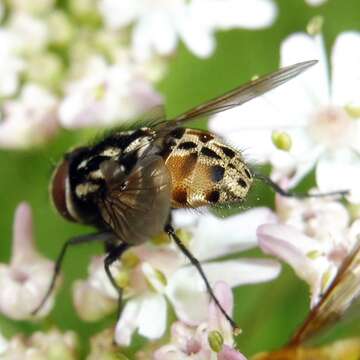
{"x":314,"y":238}
{"x":25,"y":280}
{"x":29,"y":120}
{"x":211,"y":338}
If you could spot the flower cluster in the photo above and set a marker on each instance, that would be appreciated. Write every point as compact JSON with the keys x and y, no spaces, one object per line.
{"x":95,"y":63}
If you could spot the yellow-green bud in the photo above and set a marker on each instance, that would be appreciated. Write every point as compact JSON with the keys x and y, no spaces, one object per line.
{"x":314,"y":254}
{"x":354,"y":210}
{"x":353,"y":111}
{"x":281,"y":140}
{"x":216,"y":341}
{"x":315,"y":25}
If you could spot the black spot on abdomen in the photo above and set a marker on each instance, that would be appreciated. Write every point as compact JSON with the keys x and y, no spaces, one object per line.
{"x":217,"y":173}
{"x":228,"y":152}
{"x":187,"y":145}
{"x":213,"y":196}
{"x":242,"y":183}
{"x":210,"y":153}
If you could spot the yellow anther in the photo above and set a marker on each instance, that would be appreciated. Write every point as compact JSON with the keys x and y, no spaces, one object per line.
{"x":216,"y":341}
{"x":129,"y":260}
{"x":281,"y":140}
{"x":353,"y":111}
{"x":314,"y":26}
{"x":314,"y":254}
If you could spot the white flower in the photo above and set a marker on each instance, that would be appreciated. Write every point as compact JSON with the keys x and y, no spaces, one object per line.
{"x":95,"y":297}
{"x":322,"y":119}
{"x":212,"y":339}
{"x":11,"y":65}
{"x":3,"y":344}
{"x":51,"y":345}
{"x":315,"y":237}
{"x":315,"y":2}
{"x":106,"y":95}
{"x":151,"y":274}
{"x":32,"y":7}
{"x":103,"y":347}
{"x":320,"y":218}
{"x":160,"y":24}
{"x":29,"y":120}
{"x":25,"y":280}
{"x":32,"y":33}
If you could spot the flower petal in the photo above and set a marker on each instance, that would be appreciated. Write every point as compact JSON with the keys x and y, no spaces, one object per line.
{"x":312,"y":87}
{"x":216,"y":319}
{"x":3,"y":344}
{"x":345,"y":69}
{"x":340,"y":170}
{"x":23,"y":241}
{"x":291,"y":246}
{"x":228,"y":353}
{"x":152,"y":316}
{"x":128,"y":322}
{"x":214,"y":237}
{"x":186,"y":289}
{"x":90,"y":303}
{"x":249,"y":14}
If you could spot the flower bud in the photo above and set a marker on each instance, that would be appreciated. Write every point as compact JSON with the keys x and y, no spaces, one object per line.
{"x":281,"y":140}
{"x":216,"y":341}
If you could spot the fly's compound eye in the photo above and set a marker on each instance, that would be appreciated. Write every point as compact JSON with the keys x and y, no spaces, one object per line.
{"x":59,"y":190}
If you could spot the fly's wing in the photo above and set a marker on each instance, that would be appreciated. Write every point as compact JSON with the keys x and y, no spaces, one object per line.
{"x":136,"y":206}
{"x":342,"y":296}
{"x":241,"y":94}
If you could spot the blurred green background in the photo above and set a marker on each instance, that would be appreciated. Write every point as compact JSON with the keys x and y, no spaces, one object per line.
{"x":269,"y":313}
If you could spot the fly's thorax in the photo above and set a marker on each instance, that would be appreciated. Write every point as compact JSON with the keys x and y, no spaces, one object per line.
{"x":78,"y":181}
{"x":205,"y":171}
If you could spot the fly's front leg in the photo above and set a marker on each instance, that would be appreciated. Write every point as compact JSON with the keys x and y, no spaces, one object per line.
{"x":194,"y":261}
{"x":113,"y":255}
{"x":82,"y":239}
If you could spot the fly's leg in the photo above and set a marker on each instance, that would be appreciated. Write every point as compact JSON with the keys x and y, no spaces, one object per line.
{"x":82,"y":239}
{"x":171,"y":232}
{"x":115,"y":254}
{"x":266,"y":180}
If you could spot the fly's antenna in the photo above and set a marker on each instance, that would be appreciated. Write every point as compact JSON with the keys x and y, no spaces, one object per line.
{"x":286,"y":193}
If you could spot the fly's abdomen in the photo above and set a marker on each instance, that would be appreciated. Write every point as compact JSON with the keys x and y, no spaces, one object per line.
{"x":204,"y":171}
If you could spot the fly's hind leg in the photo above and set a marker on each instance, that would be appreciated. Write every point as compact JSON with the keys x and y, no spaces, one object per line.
{"x":82,"y":239}
{"x":113,"y":255}
{"x":194,"y":261}
{"x":286,"y":193}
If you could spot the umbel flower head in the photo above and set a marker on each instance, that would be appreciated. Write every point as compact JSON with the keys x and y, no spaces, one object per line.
{"x":317,"y":116}
{"x":25,"y":280}
{"x":50,"y":345}
{"x":314,"y":237}
{"x":212,"y":339}
{"x":154,"y":274}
